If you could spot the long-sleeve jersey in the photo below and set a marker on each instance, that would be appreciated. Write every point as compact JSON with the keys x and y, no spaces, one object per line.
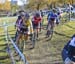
{"x":36,"y":20}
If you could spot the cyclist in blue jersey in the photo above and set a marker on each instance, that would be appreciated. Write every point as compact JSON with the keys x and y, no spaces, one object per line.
{"x":52,"y":18}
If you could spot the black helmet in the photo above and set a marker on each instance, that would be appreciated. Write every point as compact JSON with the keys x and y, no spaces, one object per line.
{"x":37,"y":15}
{"x":27,"y":16}
{"x":54,"y":10}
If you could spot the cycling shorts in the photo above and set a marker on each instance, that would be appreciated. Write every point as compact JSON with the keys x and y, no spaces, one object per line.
{"x":35,"y":26}
{"x":23,"y":31}
{"x":52,"y":19}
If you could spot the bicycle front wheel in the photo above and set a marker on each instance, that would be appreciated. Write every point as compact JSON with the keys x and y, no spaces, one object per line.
{"x":21,"y":45}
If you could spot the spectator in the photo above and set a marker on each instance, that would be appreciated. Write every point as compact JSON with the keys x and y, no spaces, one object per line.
{"x":68,"y":53}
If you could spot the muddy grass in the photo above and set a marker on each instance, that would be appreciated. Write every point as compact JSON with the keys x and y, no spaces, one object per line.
{"x":45,"y":52}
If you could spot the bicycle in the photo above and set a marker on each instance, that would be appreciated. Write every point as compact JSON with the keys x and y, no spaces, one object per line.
{"x":21,"y":44}
{"x":23,"y":41}
{"x":49,"y":33}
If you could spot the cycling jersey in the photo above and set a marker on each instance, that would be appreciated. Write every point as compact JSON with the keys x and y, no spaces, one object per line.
{"x":18,"y":20}
{"x":36,"y":21}
{"x":51,"y":16}
{"x":23,"y":27}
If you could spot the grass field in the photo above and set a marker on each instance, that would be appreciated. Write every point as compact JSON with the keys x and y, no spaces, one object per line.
{"x":45,"y":52}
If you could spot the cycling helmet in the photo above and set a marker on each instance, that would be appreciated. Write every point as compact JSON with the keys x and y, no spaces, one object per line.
{"x":21,"y":11}
{"x":22,"y":14}
{"x":54,"y":10}
{"x":27,"y":16}
{"x":37,"y":15}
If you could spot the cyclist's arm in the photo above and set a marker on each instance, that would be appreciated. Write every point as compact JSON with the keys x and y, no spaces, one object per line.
{"x":18,"y":19}
{"x":18,"y":23}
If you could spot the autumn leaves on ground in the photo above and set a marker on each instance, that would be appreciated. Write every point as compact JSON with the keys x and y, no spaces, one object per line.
{"x":45,"y":52}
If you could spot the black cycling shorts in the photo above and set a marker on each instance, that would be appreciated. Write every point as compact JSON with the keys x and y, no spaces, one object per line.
{"x":52,"y":19}
{"x":23,"y":31}
{"x":35,"y":26}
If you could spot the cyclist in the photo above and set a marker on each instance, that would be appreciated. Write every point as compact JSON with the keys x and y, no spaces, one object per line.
{"x":51,"y":20}
{"x":19,"y":16}
{"x":21,"y":13}
{"x":23,"y":27}
{"x":36,"y":20}
{"x":68,"y":53}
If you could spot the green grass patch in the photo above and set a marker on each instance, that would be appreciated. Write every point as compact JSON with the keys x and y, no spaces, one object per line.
{"x":61,"y":36}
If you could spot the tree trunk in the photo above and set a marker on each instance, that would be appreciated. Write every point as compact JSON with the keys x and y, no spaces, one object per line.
{"x":54,"y":5}
{"x":38,"y":6}
{"x":72,"y":2}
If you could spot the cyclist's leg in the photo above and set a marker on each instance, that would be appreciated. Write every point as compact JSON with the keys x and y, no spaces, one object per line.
{"x":47,"y":29}
{"x":40,"y":26}
{"x":25,"y":32}
{"x":26,"y":37}
{"x":18,"y":39}
{"x":50,"y":29}
{"x":52,"y":24}
{"x":47,"y":25}
{"x":35,"y":33}
{"x":37,"y":30}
